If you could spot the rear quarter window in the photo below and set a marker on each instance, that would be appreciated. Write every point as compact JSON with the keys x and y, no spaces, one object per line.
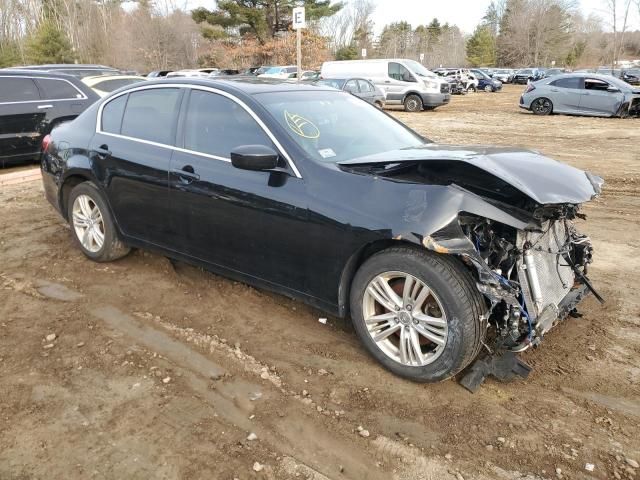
{"x":112,"y":114}
{"x":54,"y":89}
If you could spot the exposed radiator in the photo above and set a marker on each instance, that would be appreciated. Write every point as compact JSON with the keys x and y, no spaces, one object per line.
{"x":555,"y":277}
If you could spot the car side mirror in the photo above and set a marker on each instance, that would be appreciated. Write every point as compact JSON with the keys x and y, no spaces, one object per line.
{"x":254,"y":157}
{"x":613,"y":90}
{"x":406,"y":77}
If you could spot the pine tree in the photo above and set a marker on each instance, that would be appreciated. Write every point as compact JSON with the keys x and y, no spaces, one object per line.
{"x":262,"y":18}
{"x":49,"y":45}
{"x":481,"y":48}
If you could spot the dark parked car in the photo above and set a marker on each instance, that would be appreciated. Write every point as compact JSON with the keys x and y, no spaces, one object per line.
{"x":552,"y":72}
{"x":158,"y":73}
{"x":310,"y":192}
{"x":485,"y":82}
{"x":31,"y":103}
{"x":631,"y":76}
{"x":526,"y":75}
{"x":582,"y":94}
{"x":77,"y":70}
{"x":359,"y":87}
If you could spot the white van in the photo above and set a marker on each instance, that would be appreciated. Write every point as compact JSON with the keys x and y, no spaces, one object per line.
{"x":404,"y":82}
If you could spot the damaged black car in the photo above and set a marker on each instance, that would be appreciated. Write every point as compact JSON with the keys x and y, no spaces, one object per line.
{"x":435,"y":252}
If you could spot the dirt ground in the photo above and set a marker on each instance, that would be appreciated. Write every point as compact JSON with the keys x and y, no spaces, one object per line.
{"x":161,"y":370}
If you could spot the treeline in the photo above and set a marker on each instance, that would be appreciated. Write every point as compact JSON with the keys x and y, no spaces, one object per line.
{"x":545,"y":32}
{"x":241,"y":33}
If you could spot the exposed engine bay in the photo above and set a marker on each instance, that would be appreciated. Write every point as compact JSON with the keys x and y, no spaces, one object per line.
{"x":514,"y":228}
{"x":541,"y":273}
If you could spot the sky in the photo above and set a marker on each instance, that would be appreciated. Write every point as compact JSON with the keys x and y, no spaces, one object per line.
{"x":466,"y":14}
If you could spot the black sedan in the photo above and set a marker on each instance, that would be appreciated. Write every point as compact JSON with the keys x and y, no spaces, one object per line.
{"x":319,"y":196}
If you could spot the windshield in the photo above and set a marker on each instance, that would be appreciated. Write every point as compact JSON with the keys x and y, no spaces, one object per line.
{"x":335,"y":127}
{"x":480,"y":74}
{"x":272,"y":70}
{"x":418,"y":69}
{"x":525,"y":71}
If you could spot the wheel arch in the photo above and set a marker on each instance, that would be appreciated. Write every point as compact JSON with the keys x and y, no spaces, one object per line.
{"x":356,"y":260}
{"x":411,"y":92}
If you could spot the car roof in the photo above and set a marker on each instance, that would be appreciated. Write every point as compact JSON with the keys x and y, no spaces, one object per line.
{"x":101,"y":78}
{"x":68,"y":66}
{"x":248,"y":85}
{"x":37,"y":73}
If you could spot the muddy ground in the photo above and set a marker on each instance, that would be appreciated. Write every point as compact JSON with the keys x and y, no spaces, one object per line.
{"x":161,"y":370}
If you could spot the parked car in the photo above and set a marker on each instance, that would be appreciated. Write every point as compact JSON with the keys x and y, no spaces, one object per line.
{"x":225,"y":72}
{"x":279,"y":72}
{"x":461,"y":80}
{"x":158,"y":73}
{"x":526,"y":75}
{"x":77,"y":70}
{"x":503,"y":75}
{"x":404,"y":82}
{"x":552,"y":72}
{"x":31,"y":103}
{"x":190,"y":72}
{"x":631,"y":76}
{"x":105,"y":84}
{"x":485,"y":82}
{"x":312,"y":193}
{"x":582,"y":94}
{"x":359,"y":87}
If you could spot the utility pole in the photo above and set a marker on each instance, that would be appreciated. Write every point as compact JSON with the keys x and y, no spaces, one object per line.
{"x":298,"y":24}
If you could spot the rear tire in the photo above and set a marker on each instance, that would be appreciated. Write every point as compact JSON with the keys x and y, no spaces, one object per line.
{"x":413,"y":103}
{"x":452,"y":299}
{"x":542,"y":106}
{"x":92,"y":225}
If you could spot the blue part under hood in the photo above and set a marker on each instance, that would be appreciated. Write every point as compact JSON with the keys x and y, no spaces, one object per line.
{"x":541,"y":178}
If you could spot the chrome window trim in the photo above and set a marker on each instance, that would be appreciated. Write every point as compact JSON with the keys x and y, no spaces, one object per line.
{"x":231,"y":97}
{"x":33,"y":77}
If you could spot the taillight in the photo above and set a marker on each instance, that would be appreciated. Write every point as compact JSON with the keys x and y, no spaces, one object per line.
{"x":530,"y":88}
{"x":46,"y":141}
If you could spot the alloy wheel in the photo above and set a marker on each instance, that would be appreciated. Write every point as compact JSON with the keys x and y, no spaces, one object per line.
{"x":88,"y":223}
{"x":541,"y":106}
{"x":404,"y":318}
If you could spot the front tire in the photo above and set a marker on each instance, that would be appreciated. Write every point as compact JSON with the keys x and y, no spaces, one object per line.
{"x":92,"y":225}
{"x":413,"y":103}
{"x":488,"y":88}
{"x":418,"y":313}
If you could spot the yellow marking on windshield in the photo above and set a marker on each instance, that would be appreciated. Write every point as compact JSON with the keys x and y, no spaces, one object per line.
{"x":301,"y":126}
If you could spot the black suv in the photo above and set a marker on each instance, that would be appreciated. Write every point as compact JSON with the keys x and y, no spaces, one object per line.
{"x":31,"y":103}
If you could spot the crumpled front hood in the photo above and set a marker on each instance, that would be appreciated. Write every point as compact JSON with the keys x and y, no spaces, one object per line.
{"x":541,"y":178}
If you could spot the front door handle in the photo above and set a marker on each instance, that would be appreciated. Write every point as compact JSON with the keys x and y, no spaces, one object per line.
{"x":44,"y":107}
{"x":186,"y":174}
{"x":103,"y":151}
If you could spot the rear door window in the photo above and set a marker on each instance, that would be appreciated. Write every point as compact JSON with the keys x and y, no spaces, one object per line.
{"x":54,"y":89}
{"x":215,"y":125}
{"x":152,"y":114}
{"x":18,"y":89}
{"x":571,"y":82}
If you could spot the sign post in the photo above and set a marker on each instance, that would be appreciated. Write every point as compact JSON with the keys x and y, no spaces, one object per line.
{"x":298,"y":24}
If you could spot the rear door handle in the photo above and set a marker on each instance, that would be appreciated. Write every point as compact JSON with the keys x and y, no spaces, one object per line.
{"x":44,"y":107}
{"x":186,"y":174}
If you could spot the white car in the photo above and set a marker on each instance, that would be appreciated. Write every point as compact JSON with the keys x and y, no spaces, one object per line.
{"x":279,"y":72}
{"x":105,"y":84}
{"x":192,"y":72}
